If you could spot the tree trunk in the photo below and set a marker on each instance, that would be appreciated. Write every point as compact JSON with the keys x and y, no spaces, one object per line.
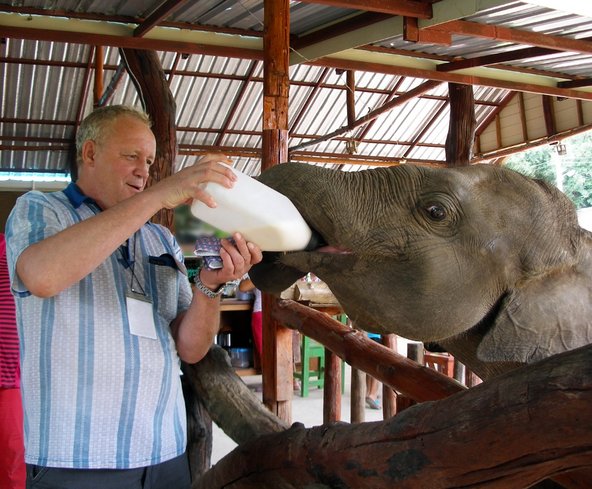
{"x":509,"y":432}
{"x":146,"y":72}
{"x":199,"y":428}
{"x":232,"y":405}
{"x":462,"y":127}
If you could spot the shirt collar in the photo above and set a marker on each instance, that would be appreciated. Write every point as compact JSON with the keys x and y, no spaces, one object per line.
{"x":76,"y":197}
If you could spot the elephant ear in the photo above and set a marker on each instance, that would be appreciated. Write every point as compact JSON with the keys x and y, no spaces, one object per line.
{"x":544,"y":316}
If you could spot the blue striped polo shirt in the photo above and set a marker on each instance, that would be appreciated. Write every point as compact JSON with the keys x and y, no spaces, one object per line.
{"x":95,"y":395}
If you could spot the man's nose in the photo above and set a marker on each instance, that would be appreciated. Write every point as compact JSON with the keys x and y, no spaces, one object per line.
{"x":143,"y":167}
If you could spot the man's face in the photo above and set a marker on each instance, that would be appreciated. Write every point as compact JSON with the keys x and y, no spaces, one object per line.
{"x":116,"y":167}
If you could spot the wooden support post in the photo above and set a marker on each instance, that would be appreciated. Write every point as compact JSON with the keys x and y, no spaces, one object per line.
{"x":389,"y":399}
{"x":358,"y":394}
{"x":332,"y":388}
{"x":549,"y":115}
{"x":277,"y":362}
{"x":351,"y":96}
{"x":98,"y":90}
{"x":462,"y":127}
{"x":158,"y":101}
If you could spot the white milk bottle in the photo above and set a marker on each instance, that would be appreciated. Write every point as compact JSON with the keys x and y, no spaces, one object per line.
{"x":261,"y":214}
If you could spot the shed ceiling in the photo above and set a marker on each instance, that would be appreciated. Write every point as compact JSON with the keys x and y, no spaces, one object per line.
{"x":529,"y":65}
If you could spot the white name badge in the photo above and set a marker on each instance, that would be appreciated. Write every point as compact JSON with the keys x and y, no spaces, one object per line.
{"x":140,"y":317}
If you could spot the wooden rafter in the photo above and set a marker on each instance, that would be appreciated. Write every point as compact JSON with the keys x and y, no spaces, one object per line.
{"x":365,"y":129}
{"x":344,"y":63}
{"x":247,"y":53}
{"x":124,"y":19}
{"x":425,"y":129}
{"x":518,"y":36}
{"x":98,"y":78}
{"x":485,"y":123}
{"x":350,"y":94}
{"x":309,"y":100}
{"x":236,"y":103}
{"x":157,"y":16}
{"x":584,"y":82}
{"x":493,"y":59}
{"x":549,"y":116}
{"x":424,"y":87}
{"x":344,"y":27}
{"x":393,"y":7}
{"x":173,"y":69}
{"x":129,"y":42}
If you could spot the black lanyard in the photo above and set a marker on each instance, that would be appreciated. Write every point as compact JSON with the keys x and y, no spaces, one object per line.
{"x":128,"y":257}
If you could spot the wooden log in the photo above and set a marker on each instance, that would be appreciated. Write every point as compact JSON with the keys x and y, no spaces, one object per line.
{"x":389,"y":398}
{"x":512,"y":431}
{"x":277,"y":343}
{"x":148,"y":76}
{"x":462,"y":127}
{"x":396,"y":371}
{"x":358,"y":394}
{"x":332,"y":388}
{"x":232,"y":405}
{"x":199,"y":428}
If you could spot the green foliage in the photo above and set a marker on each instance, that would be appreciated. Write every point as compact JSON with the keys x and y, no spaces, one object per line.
{"x":576,"y":167}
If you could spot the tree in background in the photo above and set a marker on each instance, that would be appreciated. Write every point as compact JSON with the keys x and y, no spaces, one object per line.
{"x":575,"y":167}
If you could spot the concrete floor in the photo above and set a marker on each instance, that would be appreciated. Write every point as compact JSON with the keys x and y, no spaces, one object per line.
{"x":306,"y":410}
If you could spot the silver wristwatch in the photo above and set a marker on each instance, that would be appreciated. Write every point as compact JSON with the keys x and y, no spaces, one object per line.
{"x":199,"y":285}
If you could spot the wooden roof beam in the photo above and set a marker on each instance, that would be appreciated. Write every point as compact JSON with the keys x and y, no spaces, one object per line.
{"x":517,"y":36}
{"x":494,"y":113}
{"x":347,"y":26}
{"x":393,"y":7}
{"x":366,"y":129}
{"x":45,"y":28}
{"x":361,"y":60}
{"x":237,"y":104}
{"x":415,"y":92}
{"x":157,"y":16}
{"x":425,"y":129}
{"x":493,"y":59}
{"x":309,"y":100}
{"x":392,"y":26}
{"x":584,"y":82}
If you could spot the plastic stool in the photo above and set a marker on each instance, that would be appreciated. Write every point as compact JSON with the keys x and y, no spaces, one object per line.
{"x":314,"y":377}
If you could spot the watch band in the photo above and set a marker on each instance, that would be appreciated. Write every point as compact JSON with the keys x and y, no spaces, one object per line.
{"x":199,"y":285}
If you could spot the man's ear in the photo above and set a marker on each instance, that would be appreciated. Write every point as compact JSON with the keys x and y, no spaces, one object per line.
{"x":89,"y":149}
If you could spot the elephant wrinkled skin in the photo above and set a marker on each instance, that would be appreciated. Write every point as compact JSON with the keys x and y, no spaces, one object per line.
{"x":488,"y":263}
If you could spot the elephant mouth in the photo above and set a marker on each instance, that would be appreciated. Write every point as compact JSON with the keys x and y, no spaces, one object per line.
{"x":336,"y":250}
{"x":280,"y":269}
{"x":319,"y":244}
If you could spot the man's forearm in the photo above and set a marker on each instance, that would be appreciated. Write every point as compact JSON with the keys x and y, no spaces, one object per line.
{"x":194,"y":332}
{"x":56,"y":263}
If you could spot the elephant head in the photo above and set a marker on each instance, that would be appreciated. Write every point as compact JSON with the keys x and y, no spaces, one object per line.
{"x":489,"y":263}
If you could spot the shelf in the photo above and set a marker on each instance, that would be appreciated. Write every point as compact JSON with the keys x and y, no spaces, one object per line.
{"x":235,"y":305}
{"x":244,"y":372}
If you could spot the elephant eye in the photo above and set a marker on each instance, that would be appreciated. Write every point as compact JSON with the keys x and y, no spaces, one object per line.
{"x":436,"y":212}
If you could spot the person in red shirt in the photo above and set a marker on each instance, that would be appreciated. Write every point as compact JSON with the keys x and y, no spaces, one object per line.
{"x":12,"y":453}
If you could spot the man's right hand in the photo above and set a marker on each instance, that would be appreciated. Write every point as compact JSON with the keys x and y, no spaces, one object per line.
{"x":188,"y":184}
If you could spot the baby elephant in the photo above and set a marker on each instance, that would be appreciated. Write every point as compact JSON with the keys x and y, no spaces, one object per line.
{"x":490,"y":264}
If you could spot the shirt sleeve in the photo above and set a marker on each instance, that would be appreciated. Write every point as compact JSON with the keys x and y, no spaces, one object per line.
{"x":32,"y":219}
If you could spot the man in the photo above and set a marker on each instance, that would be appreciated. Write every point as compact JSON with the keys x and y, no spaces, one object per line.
{"x":105,"y":311}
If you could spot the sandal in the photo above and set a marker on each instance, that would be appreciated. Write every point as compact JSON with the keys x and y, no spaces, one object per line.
{"x":372,"y":403}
